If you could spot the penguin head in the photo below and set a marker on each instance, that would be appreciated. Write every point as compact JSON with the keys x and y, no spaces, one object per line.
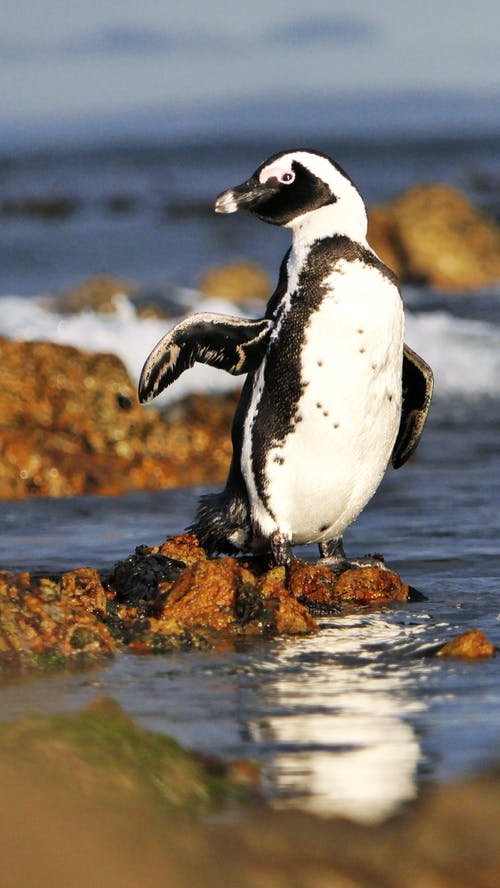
{"x":302,"y":190}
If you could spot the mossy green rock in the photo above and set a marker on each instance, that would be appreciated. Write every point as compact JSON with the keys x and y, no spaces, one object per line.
{"x":100,"y":752}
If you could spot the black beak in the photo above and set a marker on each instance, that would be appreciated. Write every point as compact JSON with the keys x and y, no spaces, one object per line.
{"x":245,"y":196}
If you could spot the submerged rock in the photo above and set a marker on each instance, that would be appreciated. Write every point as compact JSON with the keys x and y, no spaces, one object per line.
{"x":433,"y":234}
{"x":170,"y":596}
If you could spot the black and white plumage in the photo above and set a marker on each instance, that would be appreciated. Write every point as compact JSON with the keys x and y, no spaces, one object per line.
{"x":332,"y":393}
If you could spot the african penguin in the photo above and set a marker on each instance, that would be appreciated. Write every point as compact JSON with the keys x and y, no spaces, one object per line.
{"x":332,"y":393}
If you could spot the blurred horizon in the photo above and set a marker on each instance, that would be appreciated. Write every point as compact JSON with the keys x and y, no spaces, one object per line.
{"x":71,"y":72}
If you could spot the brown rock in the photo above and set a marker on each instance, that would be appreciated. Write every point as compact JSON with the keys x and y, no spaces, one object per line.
{"x":433,"y":234}
{"x":471,"y":645}
{"x":70,"y":424}
{"x":239,"y":282}
{"x":371,"y":585}
{"x":184,"y":547}
{"x":315,"y":586}
{"x":165,"y":597}
{"x":45,"y":622}
{"x":281,"y":611}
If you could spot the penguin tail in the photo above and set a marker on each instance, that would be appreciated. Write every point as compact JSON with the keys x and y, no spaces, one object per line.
{"x":222,"y":523}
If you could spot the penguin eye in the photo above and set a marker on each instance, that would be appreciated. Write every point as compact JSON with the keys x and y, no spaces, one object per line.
{"x":287,"y":178}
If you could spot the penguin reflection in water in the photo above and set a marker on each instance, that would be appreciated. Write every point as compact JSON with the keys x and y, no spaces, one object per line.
{"x":332,"y":393}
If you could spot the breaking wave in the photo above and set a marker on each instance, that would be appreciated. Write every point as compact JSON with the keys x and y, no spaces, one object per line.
{"x":464,"y":354}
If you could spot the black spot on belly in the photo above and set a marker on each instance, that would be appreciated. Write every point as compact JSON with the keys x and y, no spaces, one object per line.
{"x":389,"y":397}
{"x":336,"y":425}
{"x":319,"y":363}
{"x":325,"y":412}
{"x":323,"y":528}
{"x":362,"y":351}
{"x":318,"y":405}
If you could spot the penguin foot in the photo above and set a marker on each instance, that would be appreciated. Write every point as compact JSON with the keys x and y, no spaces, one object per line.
{"x":333,"y":556}
{"x":281,"y":549}
{"x":369,"y":561}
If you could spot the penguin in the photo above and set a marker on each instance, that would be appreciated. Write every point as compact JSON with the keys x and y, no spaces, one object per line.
{"x":332,"y":394}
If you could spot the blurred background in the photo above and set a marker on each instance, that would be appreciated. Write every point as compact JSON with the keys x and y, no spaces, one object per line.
{"x":119,"y":123}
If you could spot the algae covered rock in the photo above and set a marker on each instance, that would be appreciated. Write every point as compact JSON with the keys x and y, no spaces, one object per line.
{"x":102,"y":753}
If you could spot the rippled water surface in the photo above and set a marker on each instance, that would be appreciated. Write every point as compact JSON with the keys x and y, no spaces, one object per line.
{"x":354,"y":718}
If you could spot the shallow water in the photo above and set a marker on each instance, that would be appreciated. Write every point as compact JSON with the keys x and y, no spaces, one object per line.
{"x":350,"y":720}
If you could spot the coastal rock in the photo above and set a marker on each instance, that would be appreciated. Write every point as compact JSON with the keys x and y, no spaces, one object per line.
{"x":70,"y":424}
{"x":45,"y":622}
{"x":238,"y":282}
{"x":470,"y":645}
{"x":98,"y":293}
{"x":433,"y":234}
{"x":170,"y":596}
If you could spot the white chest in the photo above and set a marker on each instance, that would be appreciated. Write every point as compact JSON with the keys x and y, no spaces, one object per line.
{"x":347,"y":419}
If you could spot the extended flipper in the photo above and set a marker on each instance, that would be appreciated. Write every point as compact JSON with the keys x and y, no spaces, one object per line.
{"x":233,"y":344}
{"x":418,"y":382}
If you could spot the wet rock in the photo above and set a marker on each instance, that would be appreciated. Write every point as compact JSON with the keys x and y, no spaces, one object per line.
{"x":316,"y":587}
{"x":371,"y":585}
{"x":170,"y":596}
{"x":70,"y":424}
{"x":471,"y":645}
{"x":138,"y":578}
{"x":433,"y":234}
{"x":238,"y":282}
{"x":46,"y":622}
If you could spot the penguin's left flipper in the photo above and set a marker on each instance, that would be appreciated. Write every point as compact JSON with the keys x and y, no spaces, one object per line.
{"x":236,"y":345}
{"x":418,"y":383}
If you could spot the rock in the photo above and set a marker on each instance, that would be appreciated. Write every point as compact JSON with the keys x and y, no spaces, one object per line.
{"x":433,"y":234}
{"x":46,"y":622}
{"x":371,"y":585}
{"x":101,"y":751}
{"x":238,"y":282}
{"x":98,"y":293}
{"x":471,"y":645}
{"x":170,"y":596}
{"x":70,"y":424}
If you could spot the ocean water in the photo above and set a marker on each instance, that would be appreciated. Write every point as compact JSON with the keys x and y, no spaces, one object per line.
{"x":354,"y":719}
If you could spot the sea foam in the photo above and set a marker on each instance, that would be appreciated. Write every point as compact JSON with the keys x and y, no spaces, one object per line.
{"x":464,"y":354}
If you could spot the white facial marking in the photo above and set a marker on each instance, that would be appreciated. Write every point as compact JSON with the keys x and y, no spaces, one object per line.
{"x":279,"y":170}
